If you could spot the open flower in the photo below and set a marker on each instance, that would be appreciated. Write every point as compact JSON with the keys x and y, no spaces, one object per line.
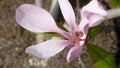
{"x":36,"y":19}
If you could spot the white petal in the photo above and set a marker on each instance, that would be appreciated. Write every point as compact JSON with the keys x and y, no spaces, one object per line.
{"x":36,"y":19}
{"x":74,"y":53}
{"x":68,"y":13}
{"x":48,"y":48}
{"x":94,"y":12}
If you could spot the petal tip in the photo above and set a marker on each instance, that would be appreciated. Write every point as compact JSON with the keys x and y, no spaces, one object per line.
{"x":69,"y":60}
{"x":28,"y":50}
{"x":32,"y":50}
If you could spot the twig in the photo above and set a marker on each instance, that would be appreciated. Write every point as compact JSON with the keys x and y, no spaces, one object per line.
{"x":113,"y":13}
{"x":39,"y":3}
{"x":81,"y":62}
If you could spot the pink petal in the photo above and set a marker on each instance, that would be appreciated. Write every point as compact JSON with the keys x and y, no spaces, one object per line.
{"x":94,"y":12}
{"x":36,"y":19}
{"x":84,"y":26}
{"x":95,"y":19}
{"x":48,"y":48}
{"x":74,"y":53}
{"x":68,"y":13}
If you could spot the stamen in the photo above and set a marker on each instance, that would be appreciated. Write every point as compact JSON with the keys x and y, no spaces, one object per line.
{"x":79,"y":34}
{"x":76,"y":37}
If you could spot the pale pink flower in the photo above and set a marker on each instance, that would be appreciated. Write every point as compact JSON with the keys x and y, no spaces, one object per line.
{"x":36,"y":19}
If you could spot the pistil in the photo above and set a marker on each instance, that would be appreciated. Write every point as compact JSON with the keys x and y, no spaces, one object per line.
{"x":76,"y":37}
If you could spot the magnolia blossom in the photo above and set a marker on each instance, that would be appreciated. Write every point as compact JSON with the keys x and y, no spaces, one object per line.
{"x":36,"y":19}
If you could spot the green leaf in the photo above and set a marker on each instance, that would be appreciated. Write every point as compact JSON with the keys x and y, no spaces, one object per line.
{"x":93,"y":31}
{"x":48,"y":34}
{"x":61,"y":26}
{"x":116,"y":3}
{"x":101,"y":57}
{"x":52,"y":34}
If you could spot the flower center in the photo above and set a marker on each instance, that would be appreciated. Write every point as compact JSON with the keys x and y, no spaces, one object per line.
{"x":76,"y":37}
